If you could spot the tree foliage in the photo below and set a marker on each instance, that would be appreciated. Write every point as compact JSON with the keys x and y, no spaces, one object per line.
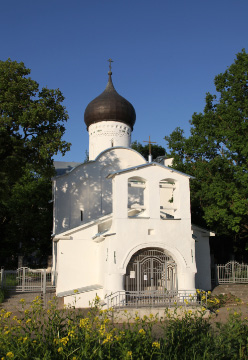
{"x":156,"y":150}
{"x":31,"y":130}
{"x":216,"y":153}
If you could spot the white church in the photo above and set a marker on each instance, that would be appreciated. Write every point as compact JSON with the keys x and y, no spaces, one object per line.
{"x":122,"y":222}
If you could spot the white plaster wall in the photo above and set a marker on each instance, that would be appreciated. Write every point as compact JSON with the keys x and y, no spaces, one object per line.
{"x":133,"y":234}
{"x":83,"y":262}
{"x":87,"y":189}
{"x":107,"y":134}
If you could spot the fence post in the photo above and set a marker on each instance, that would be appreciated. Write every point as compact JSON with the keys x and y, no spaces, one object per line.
{"x":44,"y":282}
{"x":216,"y":274}
{"x":2,"y":270}
{"x":233,"y":271}
{"x":23,"y":279}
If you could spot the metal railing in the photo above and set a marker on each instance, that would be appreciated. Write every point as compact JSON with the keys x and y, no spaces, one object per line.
{"x":232,"y":272}
{"x":28,"y":280}
{"x":170,"y":298}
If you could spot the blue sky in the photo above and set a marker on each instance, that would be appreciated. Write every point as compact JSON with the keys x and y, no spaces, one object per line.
{"x":166,"y":55}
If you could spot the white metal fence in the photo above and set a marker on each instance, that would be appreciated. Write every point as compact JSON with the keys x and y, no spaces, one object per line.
{"x":28,"y":280}
{"x":138,"y":299}
{"x":232,"y":272}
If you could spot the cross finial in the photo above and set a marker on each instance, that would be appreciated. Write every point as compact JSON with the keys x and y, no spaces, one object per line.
{"x":150,"y":142}
{"x":110,"y":61}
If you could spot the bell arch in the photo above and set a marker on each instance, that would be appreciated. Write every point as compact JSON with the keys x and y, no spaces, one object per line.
{"x":168,"y":189}
{"x":137,"y":196}
{"x":151,"y":269}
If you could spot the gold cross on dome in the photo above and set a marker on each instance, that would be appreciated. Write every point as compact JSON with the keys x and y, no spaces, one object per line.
{"x":150,"y":142}
{"x":110,"y":61}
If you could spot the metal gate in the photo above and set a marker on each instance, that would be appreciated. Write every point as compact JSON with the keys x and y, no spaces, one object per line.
{"x":151,"y":270}
{"x":28,"y":280}
{"x":232,"y":272}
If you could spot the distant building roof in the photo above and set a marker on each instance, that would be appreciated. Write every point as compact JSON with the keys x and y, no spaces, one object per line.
{"x":63,"y":167}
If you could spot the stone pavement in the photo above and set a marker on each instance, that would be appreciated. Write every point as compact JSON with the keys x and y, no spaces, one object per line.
{"x":12,"y":302}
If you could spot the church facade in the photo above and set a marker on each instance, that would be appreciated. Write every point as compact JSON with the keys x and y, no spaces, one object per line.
{"x":122,"y":223}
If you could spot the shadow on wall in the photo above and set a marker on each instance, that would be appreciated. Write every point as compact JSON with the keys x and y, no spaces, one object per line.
{"x":85,"y":194}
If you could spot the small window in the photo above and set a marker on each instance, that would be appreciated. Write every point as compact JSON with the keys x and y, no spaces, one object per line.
{"x":112,"y":143}
{"x":82,"y":215}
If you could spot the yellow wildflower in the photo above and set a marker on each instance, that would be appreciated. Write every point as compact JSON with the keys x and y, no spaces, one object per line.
{"x":151,"y":316}
{"x":83,"y":322}
{"x":22,"y":301}
{"x":71,"y":333}
{"x":26,"y":312}
{"x":102,"y":330}
{"x":142,"y":332}
{"x":108,"y":338}
{"x":25,"y":339}
{"x":75,"y":291}
{"x":156,"y":345}
{"x":10,"y":355}
{"x":64,"y":340}
{"x":15,"y":318}
{"x":129,"y":354}
{"x":60,"y":349}
{"x":28,"y":321}
{"x":7,"y":314}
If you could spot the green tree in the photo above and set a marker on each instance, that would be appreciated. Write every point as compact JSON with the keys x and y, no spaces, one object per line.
{"x":31,"y":130}
{"x":216,"y":153}
{"x":156,"y":150}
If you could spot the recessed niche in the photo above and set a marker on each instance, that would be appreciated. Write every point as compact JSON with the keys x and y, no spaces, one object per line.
{"x":151,"y":232}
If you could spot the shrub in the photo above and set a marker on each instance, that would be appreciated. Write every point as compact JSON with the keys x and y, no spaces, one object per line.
{"x":38,"y":333}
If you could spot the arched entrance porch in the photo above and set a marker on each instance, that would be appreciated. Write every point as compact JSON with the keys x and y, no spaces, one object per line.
{"x":151,"y":269}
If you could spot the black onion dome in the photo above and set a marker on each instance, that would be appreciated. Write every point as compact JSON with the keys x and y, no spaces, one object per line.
{"x":109,"y":106}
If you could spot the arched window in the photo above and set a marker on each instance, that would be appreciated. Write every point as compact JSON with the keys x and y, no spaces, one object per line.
{"x":137,"y":197}
{"x":167,"y":192}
